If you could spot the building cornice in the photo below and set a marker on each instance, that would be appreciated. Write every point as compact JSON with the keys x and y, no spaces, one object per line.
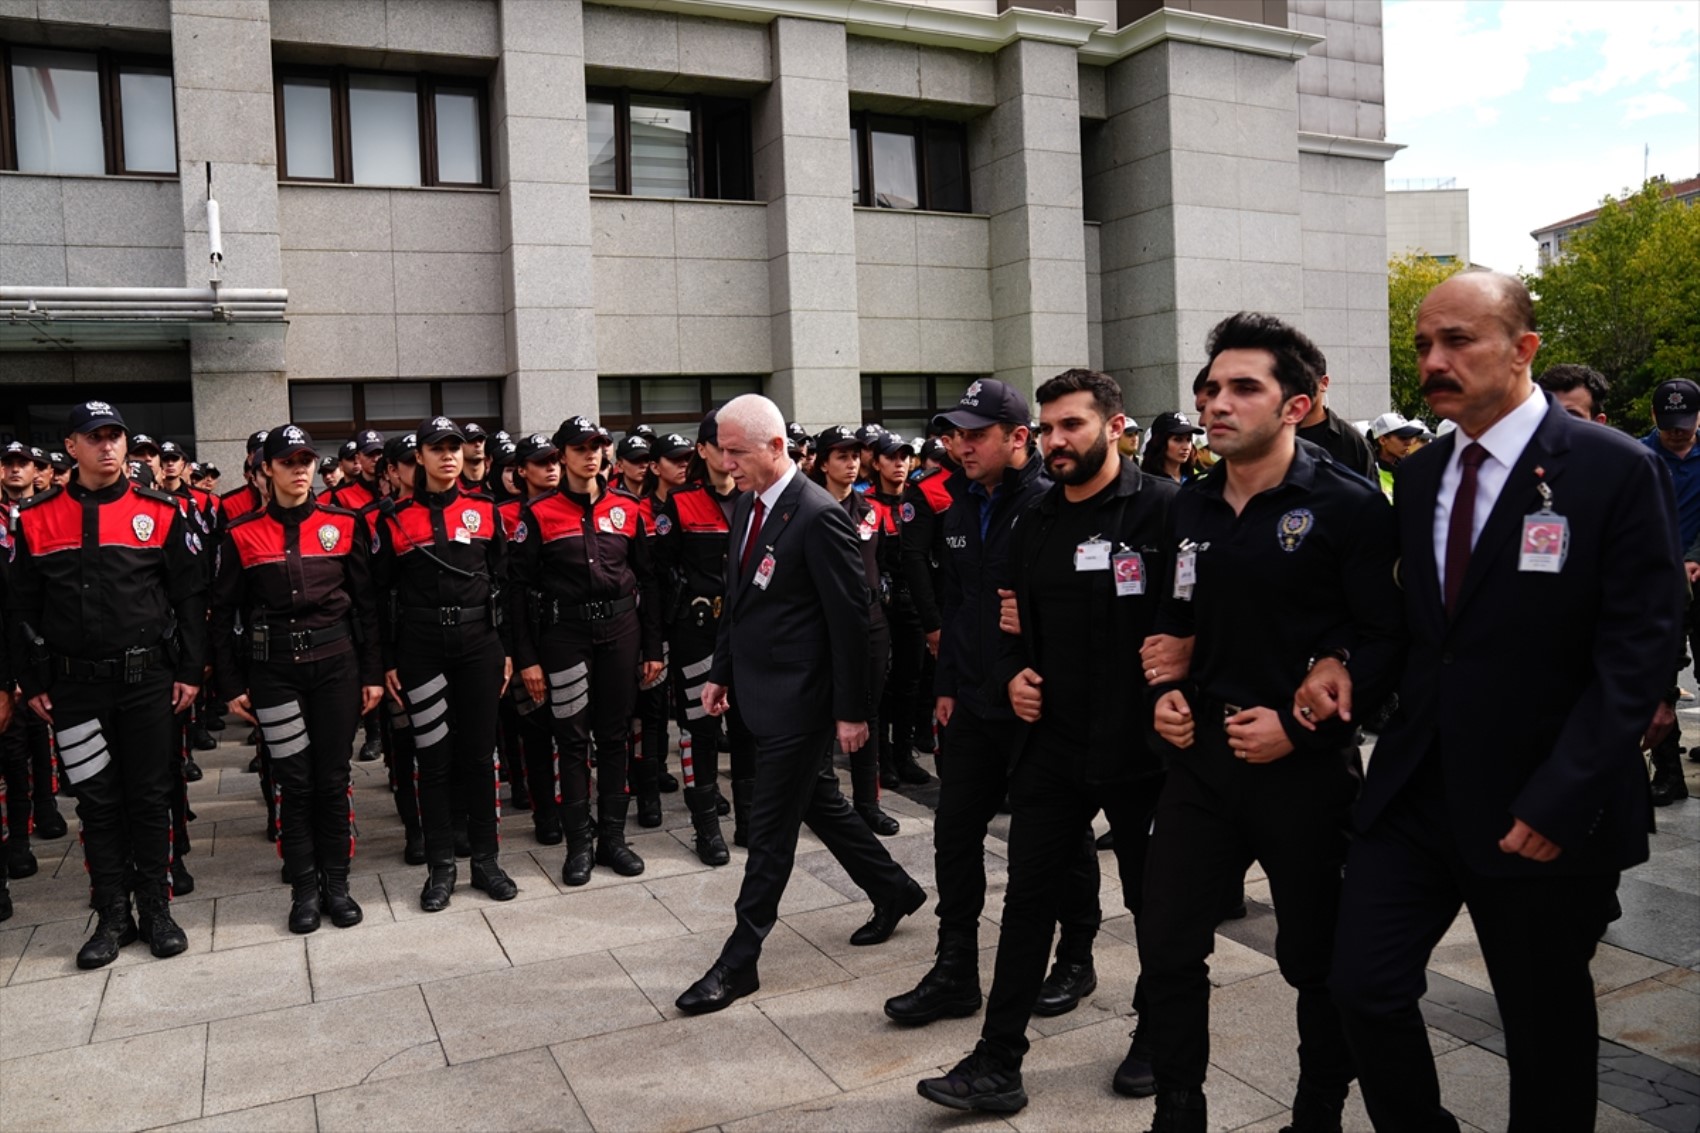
{"x":1105,"y":47}
{"x":891,"y":19}
{"x":1337,"y":145}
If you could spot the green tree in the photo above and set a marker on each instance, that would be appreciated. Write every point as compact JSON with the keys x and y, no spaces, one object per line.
{"x":1409,"y":278}
{"x":1624,"y":298}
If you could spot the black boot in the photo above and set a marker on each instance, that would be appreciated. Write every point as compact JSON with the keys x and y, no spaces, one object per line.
{"x":200,"y":739}
{"x":951,"y":989}
{"x":115,"y":929}
{"x":192,"y":772}
{"x":743,"y":795}
{"x":439,"y":887}
{"x":664,"y":780}
{"x":49,"y":823}
{"x":1134,"y":1077}
{"x":1180,"y":1111}
{"x":489,"y":877}
{"x":910,"y":772}
{"x":519,"y":794}
{"x":1317,"y":1109}
{"x":722,"y":808}
{"x":463,"y":840}
{"x":979,"y":1082}
{"x":647,"y":788}
{"x":155,"y":926}
{"x":888,"y":770}
{"x":1065,"y":987}
{"x":611,"y":848}
{"x":182,"y":882}
{"x":304,"y":904}
{"x":1669,"y":784}
{"x":711,"y":847}
{"x":5,"y":901}
{"x":20,"y":860}
{"x":413,"y":850}
{"x":343,"y":910}
{"x":546,"y":826}
{"x":581,"y":843}
{"x":865,"y":792}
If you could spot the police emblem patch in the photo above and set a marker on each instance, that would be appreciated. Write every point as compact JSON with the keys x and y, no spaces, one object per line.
{"x":907,"y":511}
{"x":1293,"y":528}
{"x":663,"y":525}
{"x":520,"y":532}
{"x":618,"y":515}
{"x":142,"y":525}
{"x":328,"y":536}
{"x":471,"y":520}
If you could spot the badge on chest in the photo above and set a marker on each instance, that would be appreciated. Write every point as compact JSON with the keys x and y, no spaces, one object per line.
{"x":764,"y":571}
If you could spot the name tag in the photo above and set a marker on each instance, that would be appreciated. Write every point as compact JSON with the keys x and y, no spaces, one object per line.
{"x":764,"y":572}
{"x":1130,"y":574}
{"x":1186,"y":574}
{"x":462,"y":536}
{"x":1092,"y":556}
{"x":1546,"y":543}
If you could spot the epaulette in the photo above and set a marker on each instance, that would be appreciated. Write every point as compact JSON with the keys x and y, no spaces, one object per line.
{"x":156,"y":494}
{"x":245,"y":517}
{"x":687,"y":486}
{"x":39,"y":498}
{"x":234,"y":492}
{"x":335,"y":510}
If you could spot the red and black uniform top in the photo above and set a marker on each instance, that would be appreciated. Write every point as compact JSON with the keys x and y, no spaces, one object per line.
{"x":356,"y":495}
{"x":201,"y":507}
{"x":578,"y":559}
{"x":98,"y":574}
{"x":891,"y":542}
{"x":692,"y":526}
{"x":508,"y":509}
{"x":301,"y":579}
{"x":238,"y":502}
{"x":874,"y":527}
{"x":444,"y":558}
{"x":925,"y":498}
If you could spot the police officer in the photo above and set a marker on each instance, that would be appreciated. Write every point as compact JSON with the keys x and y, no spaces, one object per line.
{"x":586,"y":613}
{"x":838,"y":467}
{"x":1282,"y":558}
{"x":240,"y":501}
{"x":396,"y":469}
{"x":441,"y":555}
{"x":203,"y":510}
{"x":634,"y":458}
{"x":295,"y":576}
{"x":1000,"y":478}
{"x":104,"y":553}
{"x":692,"y":526}
{"x":1087,"y":569}
{"x":361,"y":491}
{"x":474,"y":474}
{"x":921,"y":537}
{"x":908,"y":644}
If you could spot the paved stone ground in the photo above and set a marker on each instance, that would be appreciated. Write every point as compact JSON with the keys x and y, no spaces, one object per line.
{"x":555,"y":1011}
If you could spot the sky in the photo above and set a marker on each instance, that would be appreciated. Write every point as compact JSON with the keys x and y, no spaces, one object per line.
{"x":1540,"y":107}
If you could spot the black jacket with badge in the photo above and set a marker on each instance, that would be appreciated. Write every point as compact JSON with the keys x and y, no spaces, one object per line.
{"x":1135,"y":519}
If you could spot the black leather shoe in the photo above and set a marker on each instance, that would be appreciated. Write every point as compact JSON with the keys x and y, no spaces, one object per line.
{"x":304,"y":906}
{"x":1065,"y":987}
{"x":215,"y":723}
{"x":192,"y":772}
{"x":951,"y":989}
{"x":1134,"y":1077}
{"x":1317,"y":1109}
{"x":611,"y":847}
{"x":581,"y":844}
{"x":878,"y":820}
{"x":49,"y":824}
{"x":5,"y":903}
{"x":908,"y":770}
{"x":883,"y":923}
{"x":439,"y":887}
{"x":413,"y":851}
{"x":666,"y":782}
{"x":200,"y":739}
{"x":1180,"y":1111}
{"x":978,"y":1082}
{"x":370,"y":750}
{"x":154,"y":926}
{"x":182,"y":882}
{"x":20,"y":862}
{"x":717,"y":990}
{"x":342,"y":909}
{"x":1668,"y":787}
{"x":253,"y":764}
{"x":115,"y":929}
{"x":489,"y":877}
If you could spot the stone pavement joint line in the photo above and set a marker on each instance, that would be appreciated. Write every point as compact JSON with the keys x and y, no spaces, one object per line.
{"x":555,"y":1011}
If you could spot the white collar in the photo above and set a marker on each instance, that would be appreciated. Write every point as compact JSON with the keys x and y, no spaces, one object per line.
{"x":1506,"y":438}
{"x":770,"y":497}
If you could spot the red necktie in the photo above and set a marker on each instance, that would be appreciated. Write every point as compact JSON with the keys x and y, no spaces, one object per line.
{"x":750,"y":541}
{"x":1460,"y":525}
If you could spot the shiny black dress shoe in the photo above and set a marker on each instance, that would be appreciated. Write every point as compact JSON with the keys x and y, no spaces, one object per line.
{"x":717,"y":990}
{"x":883,"y":923}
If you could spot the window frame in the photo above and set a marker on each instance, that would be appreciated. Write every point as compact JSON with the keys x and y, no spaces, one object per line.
{"x":626,"y":422}
{"x":862,"y":125}
{"x":876,"y":413}
{"x":703,"y":108}
{"x":426,"y":84}
{"x":109,"y":65}
{"x":344,"y":429}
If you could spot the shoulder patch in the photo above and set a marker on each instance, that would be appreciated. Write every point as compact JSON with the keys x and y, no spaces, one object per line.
{"x":155,"y":494}
{"x":662,"y":524}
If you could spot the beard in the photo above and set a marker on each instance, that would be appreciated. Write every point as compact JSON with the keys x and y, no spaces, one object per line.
{"x":1086,"y":464}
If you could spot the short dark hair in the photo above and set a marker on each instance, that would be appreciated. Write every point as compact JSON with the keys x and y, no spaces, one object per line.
{"x":1567,"y":376}
{"x":1198,"y":382}
{"x":1291,"y":349}
{"x":1106,"y":391}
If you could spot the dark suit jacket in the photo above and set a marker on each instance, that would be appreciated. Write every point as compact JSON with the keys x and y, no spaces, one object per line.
{"x":1536,"y":693}
{"x":795,"y":654}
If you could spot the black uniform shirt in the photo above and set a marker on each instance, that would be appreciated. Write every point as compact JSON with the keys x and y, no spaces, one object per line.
{"x":1336,"y":437}
{"x":1306,"y":567}
{"x":414,"y":540}
{"x":1063,"y":605}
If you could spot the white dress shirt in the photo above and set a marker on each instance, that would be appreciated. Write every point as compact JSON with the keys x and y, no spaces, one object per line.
{"x":769,"y":499}
{"x":1504,"y":441}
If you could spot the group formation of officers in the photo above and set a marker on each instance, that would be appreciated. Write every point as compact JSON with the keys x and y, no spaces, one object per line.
{"x":1192,"y":660}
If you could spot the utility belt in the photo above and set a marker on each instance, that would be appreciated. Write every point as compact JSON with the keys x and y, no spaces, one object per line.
{"x":274,"y":643}
{"x":552,"y":612}
{"x":448,"y":617}
{"x":131,"y":666}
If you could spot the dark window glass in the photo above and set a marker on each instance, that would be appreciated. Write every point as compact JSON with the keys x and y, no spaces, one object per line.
{"x":333,"y":411}
{"x":85,"y":112}
{"x":908,"y":163}
{"x":947,"y":167}
{"x":648,"y":145}
{"x":668,"y":404}
{"x":905,"y":403}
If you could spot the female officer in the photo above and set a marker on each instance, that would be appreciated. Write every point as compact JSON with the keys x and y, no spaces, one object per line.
{"x":837,"y":463}
{"x":585,"y":611}
{"x":295,"y":575}
{"x":441,"y":560}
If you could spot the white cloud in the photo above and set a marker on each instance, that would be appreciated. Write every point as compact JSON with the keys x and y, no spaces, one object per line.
{"x":1487,"y":115}
{"x":1651,"y":106}
{"x":1640,"y":41}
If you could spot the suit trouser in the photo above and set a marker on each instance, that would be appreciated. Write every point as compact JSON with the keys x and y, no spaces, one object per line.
{"x":973,"y":768}
{"x":1050,"y":829}
{"x":1215,"y":816}
{"x":308,"y":714}
{"x":591,"y":671}
{"x":450,"y":680}
{"x":795,"y":784}
{"x":1405,"y":882}
{"x":115,"y":740}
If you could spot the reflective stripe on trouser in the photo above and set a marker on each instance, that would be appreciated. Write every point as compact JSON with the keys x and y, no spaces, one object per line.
{"x":451,"y":683}
{"x":309,"y":714}
{"x":591,"y":667}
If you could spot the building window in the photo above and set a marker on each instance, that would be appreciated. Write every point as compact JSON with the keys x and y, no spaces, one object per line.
{"x":381,"y":128}
{"x":909,"y":163}
{"x":668,"y":405}
{"x":94,"y":112}
{"x":334,"y":411}
{"x":651,"y":145}
{"x":905,"y":403}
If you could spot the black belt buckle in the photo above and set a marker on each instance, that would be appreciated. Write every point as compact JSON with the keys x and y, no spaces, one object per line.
{"x":300,"y":641}
{"x":134,"y":665}
{"x":450,"y":615}
{"x":598,"y":611}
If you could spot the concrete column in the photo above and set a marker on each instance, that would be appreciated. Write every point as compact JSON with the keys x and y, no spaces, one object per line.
{"x":1031,"y":187}
{"x":543,"y":173}
{"x":1199,"y":179}
{"x":222,"y":69}
{"x":803,"y":169}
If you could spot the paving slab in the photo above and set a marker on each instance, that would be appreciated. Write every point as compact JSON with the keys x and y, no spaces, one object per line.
{"x":133,"y":1083}
{"x":203,"y":987}
{"x":829,"y":929}
{"x":530,"y":1089}
{"x":262,"y":917}
{"x":50,"y":1014}
{"x":293,"y":1116}
{"x":517,"y":1009}
{"x":313,"y":1049}
{"x":1656,"y":1018}
{"x":402,"y":886}
{"x":685,"y":1074}
{"x":52,"y":949}
{"x":573,"y":923}
{"x":368,"y":958}
{"x":884,"y":1107}
{"x":703,"y":902}
{"x":665,"y":968}
{"x":13,"y":941}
